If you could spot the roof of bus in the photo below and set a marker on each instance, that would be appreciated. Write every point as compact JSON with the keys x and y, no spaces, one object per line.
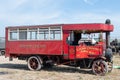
{"x":88,"y":26}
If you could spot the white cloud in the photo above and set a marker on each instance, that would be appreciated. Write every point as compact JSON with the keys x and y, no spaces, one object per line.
{"x":29,"y":19}
{"x":56,"y":17}
{"x":7,"y":5}
{"x":49,"y":12}
{"x":12,"y":6}
{"x":90,"y":2}
{"x":28,"y":11}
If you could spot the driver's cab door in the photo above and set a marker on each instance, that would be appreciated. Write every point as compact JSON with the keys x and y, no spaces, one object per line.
{"x":72,"y":42}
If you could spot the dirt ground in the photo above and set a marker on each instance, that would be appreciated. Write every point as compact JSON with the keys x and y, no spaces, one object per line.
{"x":17,"y":70}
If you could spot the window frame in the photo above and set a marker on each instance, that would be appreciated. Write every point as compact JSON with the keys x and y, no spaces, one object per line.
{"x":9,"y":36}
{"x":44,"y":32}
{"x":54,"y":33}
{"x":54,"y":28}
{"x":25,"y":35}
{"x":32,"y":30}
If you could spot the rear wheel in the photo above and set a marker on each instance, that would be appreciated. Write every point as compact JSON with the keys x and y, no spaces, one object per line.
{"x":34,"y":63}
{"x":99,"y":67}
{"x":2,"y":52}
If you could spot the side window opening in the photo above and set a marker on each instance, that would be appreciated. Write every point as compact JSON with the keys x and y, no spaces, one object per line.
{"x":55,"y":33}
{"x":74,"y":38}
{"x":43,"y":34}
{"x":32,"y":34}
{"x":77,"y":38}
{"x":23,"y":34}
{"x":13,"y":34}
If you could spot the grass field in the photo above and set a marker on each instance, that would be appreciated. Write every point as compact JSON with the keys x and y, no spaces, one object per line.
{"x":17,"y":70}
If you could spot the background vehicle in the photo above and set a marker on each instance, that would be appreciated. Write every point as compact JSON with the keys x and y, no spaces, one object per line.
{"x":115,"y":46}
{"x":68,"y":44}
{"x":2,"y":45}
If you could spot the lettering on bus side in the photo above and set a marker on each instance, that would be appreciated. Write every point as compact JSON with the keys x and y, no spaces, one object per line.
{"x":32,"y":46}
{"x":89,"y":50}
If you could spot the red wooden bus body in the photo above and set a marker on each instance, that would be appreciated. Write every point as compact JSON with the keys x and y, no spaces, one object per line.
{"x":57,"y":46}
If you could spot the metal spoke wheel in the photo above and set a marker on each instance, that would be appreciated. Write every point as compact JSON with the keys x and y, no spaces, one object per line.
{"x":34,"y":63}
{"x":100,"y":67}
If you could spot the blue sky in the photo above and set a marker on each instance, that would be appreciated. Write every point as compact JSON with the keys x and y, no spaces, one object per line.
{"x":35,"y":12}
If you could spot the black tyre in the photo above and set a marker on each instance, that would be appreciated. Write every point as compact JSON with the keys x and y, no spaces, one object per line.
{"x":2,"y":52}
{"x":100,"y":67}
{"x":34,"y":63}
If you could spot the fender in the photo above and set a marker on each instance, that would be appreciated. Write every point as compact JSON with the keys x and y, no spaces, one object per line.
{"x":98,"y":58}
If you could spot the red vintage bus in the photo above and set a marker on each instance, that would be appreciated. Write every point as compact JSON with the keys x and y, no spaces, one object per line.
{"x":79,"y":45}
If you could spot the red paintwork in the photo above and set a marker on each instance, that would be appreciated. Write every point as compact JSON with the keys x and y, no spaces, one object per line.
{"x":35,"y":47}
{"x":96,"y":27}
{"x":57,"y":47}
{"x":84,"y":51}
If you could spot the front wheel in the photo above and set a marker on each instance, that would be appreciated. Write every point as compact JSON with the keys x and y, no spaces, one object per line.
{"x":34,"y":63}
{"x":99,"y":67}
